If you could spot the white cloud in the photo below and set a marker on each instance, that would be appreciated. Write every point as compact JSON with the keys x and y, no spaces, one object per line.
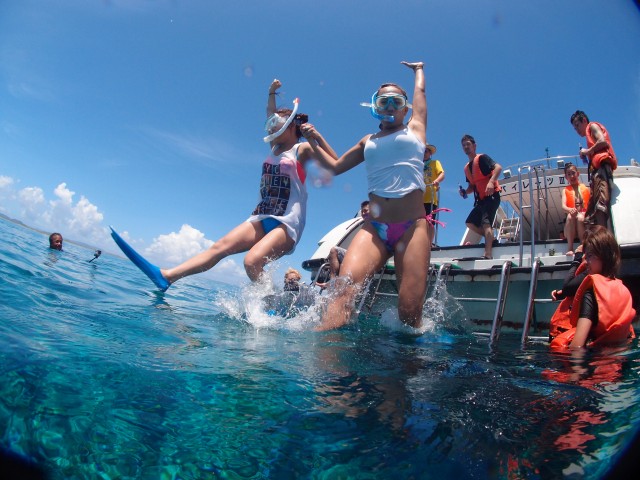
{"x":5,"y":182}
{"x":174,"y":248}
{"x":80,"y":221}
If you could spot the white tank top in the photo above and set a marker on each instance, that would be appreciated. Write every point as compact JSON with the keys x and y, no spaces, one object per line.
{"x":283,"y":195}
{"x":394,"y":164}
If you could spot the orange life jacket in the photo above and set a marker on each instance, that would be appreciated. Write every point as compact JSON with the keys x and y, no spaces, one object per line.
{"x":477,"y":179}
{"x":560,"y":322}
{"x":570,"y":196}
{"x":606,"y":155}
{"x":615,"y":313}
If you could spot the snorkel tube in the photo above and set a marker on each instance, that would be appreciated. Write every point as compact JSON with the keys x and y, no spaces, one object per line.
{"x":275,"y":135}
{"x":374,"y":111}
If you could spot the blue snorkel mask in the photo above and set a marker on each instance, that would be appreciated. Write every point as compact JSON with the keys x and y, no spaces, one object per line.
{"x":381,"y":102}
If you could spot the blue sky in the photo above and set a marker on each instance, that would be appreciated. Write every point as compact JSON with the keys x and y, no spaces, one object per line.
{"x":149,"y":115}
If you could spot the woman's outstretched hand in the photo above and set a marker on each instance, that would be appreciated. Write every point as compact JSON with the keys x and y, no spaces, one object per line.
{"x":413,"y":65}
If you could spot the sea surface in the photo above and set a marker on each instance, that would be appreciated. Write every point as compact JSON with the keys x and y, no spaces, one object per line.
{"x":104,"y":377}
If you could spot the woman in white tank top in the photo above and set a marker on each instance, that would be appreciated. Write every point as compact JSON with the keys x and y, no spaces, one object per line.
{"x":397,"y":225}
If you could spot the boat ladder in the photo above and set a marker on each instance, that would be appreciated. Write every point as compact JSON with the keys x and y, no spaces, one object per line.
{"x":500,"y":300}
{"x":433,"y":275}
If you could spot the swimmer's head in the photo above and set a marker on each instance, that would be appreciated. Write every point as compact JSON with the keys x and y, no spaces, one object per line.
{"x":389,"y":101}
{"x":55,"y":241}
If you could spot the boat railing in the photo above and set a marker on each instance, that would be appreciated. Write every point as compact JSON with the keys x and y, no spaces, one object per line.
{"x":547,"y":162}
{"x":533,"y":285}
{"x":523,"y":207}
{"x":501,"y":302}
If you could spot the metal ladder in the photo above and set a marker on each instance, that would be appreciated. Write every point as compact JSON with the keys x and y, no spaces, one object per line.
{"x":433,"y":275}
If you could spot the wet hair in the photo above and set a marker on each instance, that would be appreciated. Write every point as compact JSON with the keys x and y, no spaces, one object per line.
{"x":395,"y":85}
{"x":52,"y":239}
{"x":298,"y":120}
{"x":601,"y":243}
{"x":579,"y":115}
{"x":468,"y":137}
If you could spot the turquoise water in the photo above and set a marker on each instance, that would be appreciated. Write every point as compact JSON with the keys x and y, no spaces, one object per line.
{"x":102,"y":377}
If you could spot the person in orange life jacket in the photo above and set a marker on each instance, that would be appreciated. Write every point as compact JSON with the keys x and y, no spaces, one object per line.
{"x":577,"y":273}
{"x":575,"y":198}
{"x":482,"y":175}
{"x":601,"y":312}
{"x":602,"y":161}
{"x":275,"y":226}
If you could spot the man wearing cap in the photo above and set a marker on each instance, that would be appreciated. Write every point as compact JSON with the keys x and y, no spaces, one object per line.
{"x":433,"y":177}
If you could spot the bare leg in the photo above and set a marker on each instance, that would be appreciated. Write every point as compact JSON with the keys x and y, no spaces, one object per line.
{"x":570,"y":232}
{"x":238,"y":240}
{"x":366,"y":255}
{"x":487,"y":232}
{"x":271,"y":247}
{"x":488,"y":240}
{"x":580,"y":227}
{"x":412,"y":266}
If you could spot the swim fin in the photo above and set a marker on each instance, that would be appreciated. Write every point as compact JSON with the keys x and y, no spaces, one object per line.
{"x":149,"y":269}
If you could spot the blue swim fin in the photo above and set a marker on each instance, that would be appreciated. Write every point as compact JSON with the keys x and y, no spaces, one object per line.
{"x":149,"y":269}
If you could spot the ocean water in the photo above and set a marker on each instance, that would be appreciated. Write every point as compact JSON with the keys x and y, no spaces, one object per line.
{"x":103,"y":377}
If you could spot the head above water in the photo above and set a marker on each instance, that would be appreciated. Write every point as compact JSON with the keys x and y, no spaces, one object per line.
{"x":292,"y":279}
{"x":601,"y":243}
{"x":55,"y":241}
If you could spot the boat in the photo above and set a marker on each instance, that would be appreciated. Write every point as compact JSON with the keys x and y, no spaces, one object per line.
{"x":510,"y":292}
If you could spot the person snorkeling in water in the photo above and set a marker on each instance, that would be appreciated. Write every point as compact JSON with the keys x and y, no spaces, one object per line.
{"x":276,"y":224}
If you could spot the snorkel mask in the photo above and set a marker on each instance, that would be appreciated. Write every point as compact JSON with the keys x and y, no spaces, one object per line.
{"x":381,"y":102}
{"x":277,"y":124}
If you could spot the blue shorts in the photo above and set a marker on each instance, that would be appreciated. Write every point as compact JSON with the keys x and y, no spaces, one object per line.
{"x":269,"y":224}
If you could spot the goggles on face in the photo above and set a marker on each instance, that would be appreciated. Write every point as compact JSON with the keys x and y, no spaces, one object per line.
{"x":384,"y":101}
{"x":276,"y":124}
{"x":380,"y":102}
